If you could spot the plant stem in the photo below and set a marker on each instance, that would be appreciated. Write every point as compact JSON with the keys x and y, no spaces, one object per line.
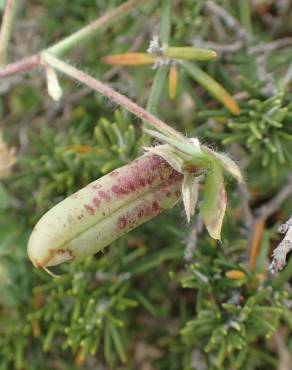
{"x":165,"y":22}
{"x":156,"y":90}
{"x":88,"y":31}
{"x":113,"y":95}
{"x":154,"y":98}
{"x":267,"y":209}
{"x":228,"y":18}
{"x":245,"y":16}
{"x":29,"y":63}
{"x":6,"y":28}
{"x":23,"y":65}
{"x":161,"y":73}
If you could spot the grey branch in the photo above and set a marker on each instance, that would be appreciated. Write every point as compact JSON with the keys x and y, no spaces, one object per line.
{"x":192,"y":239}
{"x":274,"y":204}
{"x":280,"y":253}
{"x":271,"y":46}
{"x":230,"y":21}
{"x":219,"y":48}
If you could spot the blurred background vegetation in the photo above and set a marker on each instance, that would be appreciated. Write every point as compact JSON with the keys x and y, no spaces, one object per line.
{"x":165,"y":296}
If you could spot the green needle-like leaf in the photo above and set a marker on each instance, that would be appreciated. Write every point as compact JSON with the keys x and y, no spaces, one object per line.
{"x":212,"y":86}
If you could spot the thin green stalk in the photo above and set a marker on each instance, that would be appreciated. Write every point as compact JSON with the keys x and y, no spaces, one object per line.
{"x":89,"y":31}
{"x":29,"y":63}
{"x":6,"y":28}
{"x":113,"y":95}
{"x":154,"y":98}
{"x":165,"y":22}
{"x":214,"y":88}
{"x":161,"y":73}
{"x":245,"y":14}
{"x":156,"y":90}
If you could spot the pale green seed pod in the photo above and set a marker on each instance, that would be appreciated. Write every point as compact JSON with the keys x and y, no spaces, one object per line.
{"x":107,"y":208}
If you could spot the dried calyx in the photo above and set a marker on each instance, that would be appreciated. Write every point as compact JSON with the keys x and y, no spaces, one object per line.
{"x":196,"y":162}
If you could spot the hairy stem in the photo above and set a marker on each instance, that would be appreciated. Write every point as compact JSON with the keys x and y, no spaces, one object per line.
{"x":29,"y":63}
{"x":6,"y":29}
{"x":110,"y":93}
{"x":22,"y":66}
{"x":88,"y":31}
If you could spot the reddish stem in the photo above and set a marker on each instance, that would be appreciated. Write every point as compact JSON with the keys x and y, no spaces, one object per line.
{"x":110,"y":93}
{"x":22,"y":66}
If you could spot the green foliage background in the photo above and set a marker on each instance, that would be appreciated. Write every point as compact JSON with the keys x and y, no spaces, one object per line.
{"x":140,"y":304}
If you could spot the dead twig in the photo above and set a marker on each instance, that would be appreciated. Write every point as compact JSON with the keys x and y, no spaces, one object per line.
{"x":262,"y":214}
{"x":280,"y":253}
{"x":230,"y":21}
{"x":267,"y":78}
{"x":288,"y":76}
{"x":245,"y":208}
{"x":270,"y":46}
{"x":192,"y":239}
{"x":274,"y":204}
{"x":219,"y":48}
{"x":29,"y":63}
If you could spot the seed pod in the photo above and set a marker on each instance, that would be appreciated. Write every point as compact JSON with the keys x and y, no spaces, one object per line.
{"x":109,"y":207}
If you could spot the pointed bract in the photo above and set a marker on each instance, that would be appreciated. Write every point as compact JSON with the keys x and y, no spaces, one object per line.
{"x":169,"y":154}
{"x":54,"y":88}
{"x":214,"y":201}
{"x":228,"y":164}
{"x":185,"y":146}
{"x":190,"y":194}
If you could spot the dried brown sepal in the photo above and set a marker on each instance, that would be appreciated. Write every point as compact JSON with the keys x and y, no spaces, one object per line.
{"x":128,"y":59}
{"x":235,"y":274}
{"x":172,"y":82}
